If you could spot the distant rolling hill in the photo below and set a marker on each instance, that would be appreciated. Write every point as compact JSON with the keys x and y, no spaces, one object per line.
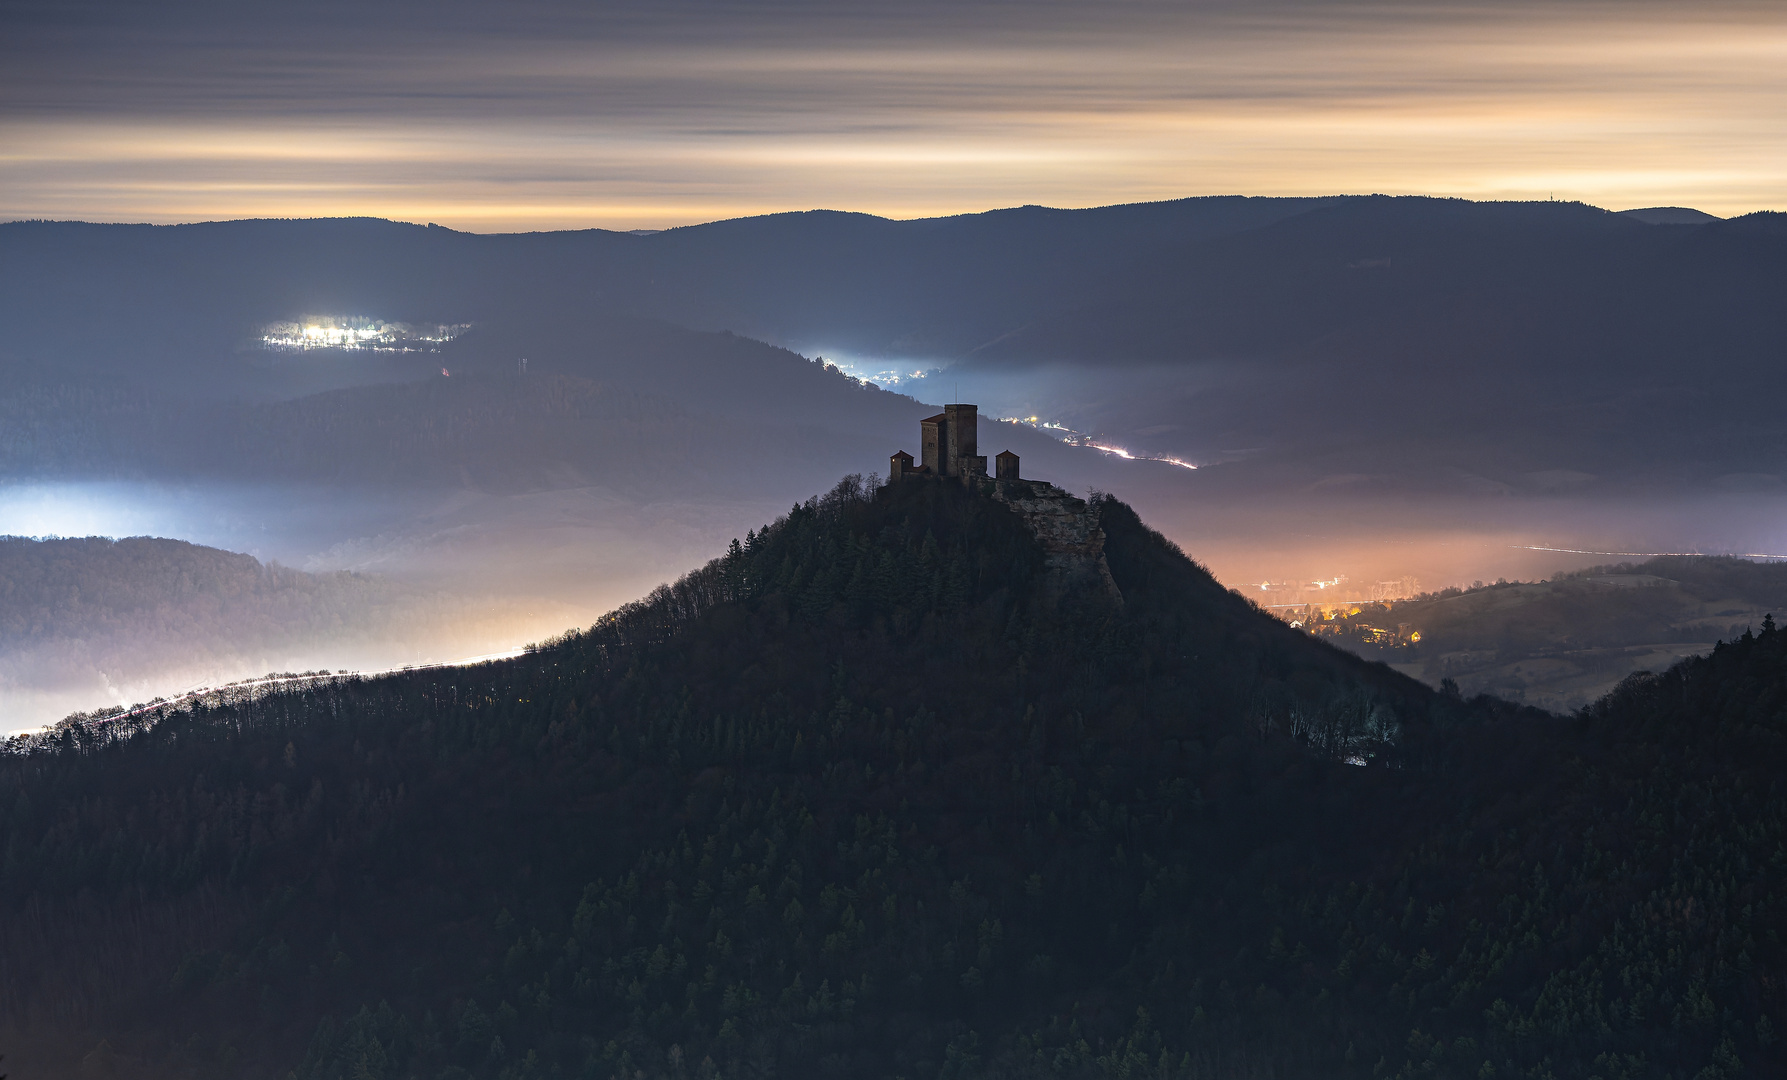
{"x":1401,"y":336}
{"x":626,"y":404}
{"x":1669,"y":215}
{"x":93,"y":622}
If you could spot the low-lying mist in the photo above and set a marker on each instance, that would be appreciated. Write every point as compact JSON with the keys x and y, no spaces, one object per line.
{"x":447,"y":574}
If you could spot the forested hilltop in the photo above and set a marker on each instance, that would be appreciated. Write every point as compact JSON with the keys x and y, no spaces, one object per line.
{"x":866,"y":797}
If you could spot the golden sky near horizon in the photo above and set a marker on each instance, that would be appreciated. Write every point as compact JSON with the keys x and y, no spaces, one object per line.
{"x":622,"y":116}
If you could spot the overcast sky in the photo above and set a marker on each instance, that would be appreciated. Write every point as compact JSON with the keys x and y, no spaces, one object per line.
{"x":648,"y":114}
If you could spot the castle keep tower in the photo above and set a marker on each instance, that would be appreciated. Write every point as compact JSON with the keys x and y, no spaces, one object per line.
{"x":948,"y":445}
{"x":962,"y":422}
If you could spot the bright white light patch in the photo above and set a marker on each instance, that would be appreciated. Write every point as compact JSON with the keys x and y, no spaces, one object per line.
{"x":97,"y":509}
{"x":355,"y":332}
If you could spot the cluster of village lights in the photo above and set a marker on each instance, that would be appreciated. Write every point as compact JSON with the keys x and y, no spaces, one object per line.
{"x":1324,"y":583}
{"x":338,"y":332}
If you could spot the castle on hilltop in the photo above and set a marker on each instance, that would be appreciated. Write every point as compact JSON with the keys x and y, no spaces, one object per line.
{"x":1068,"y":529}
{"x":946,"y":444}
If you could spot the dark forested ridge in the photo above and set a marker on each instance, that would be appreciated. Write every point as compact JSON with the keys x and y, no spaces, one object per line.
{"x":864,"y":797}
{"x":64,"y":588}
{"x":623,"y":402}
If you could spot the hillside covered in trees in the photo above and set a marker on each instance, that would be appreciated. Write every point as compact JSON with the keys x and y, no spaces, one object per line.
{"x":868,"y":797}
{"x":630,"y":404}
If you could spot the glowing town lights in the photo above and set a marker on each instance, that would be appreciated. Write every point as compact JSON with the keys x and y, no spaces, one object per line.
{"x":353,"y":332}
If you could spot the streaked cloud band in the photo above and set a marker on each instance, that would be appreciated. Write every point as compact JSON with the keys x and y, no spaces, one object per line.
{"x":629,"y":117}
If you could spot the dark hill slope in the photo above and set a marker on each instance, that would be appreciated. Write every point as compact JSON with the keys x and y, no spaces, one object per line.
{"x":169,"y":595}
{"x":639,"y":406}
{"x":89,"y":620}
{"x":627,"y":403}
{"x":1365,"y":268}
{"x":1502,"y":338}
{"x":930,"y":288}
{"x":862,"y":798}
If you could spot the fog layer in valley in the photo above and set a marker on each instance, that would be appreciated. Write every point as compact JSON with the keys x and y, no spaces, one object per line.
{"x":455,"y":574}
{"x":412,"y":578}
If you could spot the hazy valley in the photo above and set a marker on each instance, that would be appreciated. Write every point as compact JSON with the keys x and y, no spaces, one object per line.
{"x":605,"y":414}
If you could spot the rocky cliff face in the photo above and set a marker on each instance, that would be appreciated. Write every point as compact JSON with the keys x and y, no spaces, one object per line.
{"x":1068,"y":529}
